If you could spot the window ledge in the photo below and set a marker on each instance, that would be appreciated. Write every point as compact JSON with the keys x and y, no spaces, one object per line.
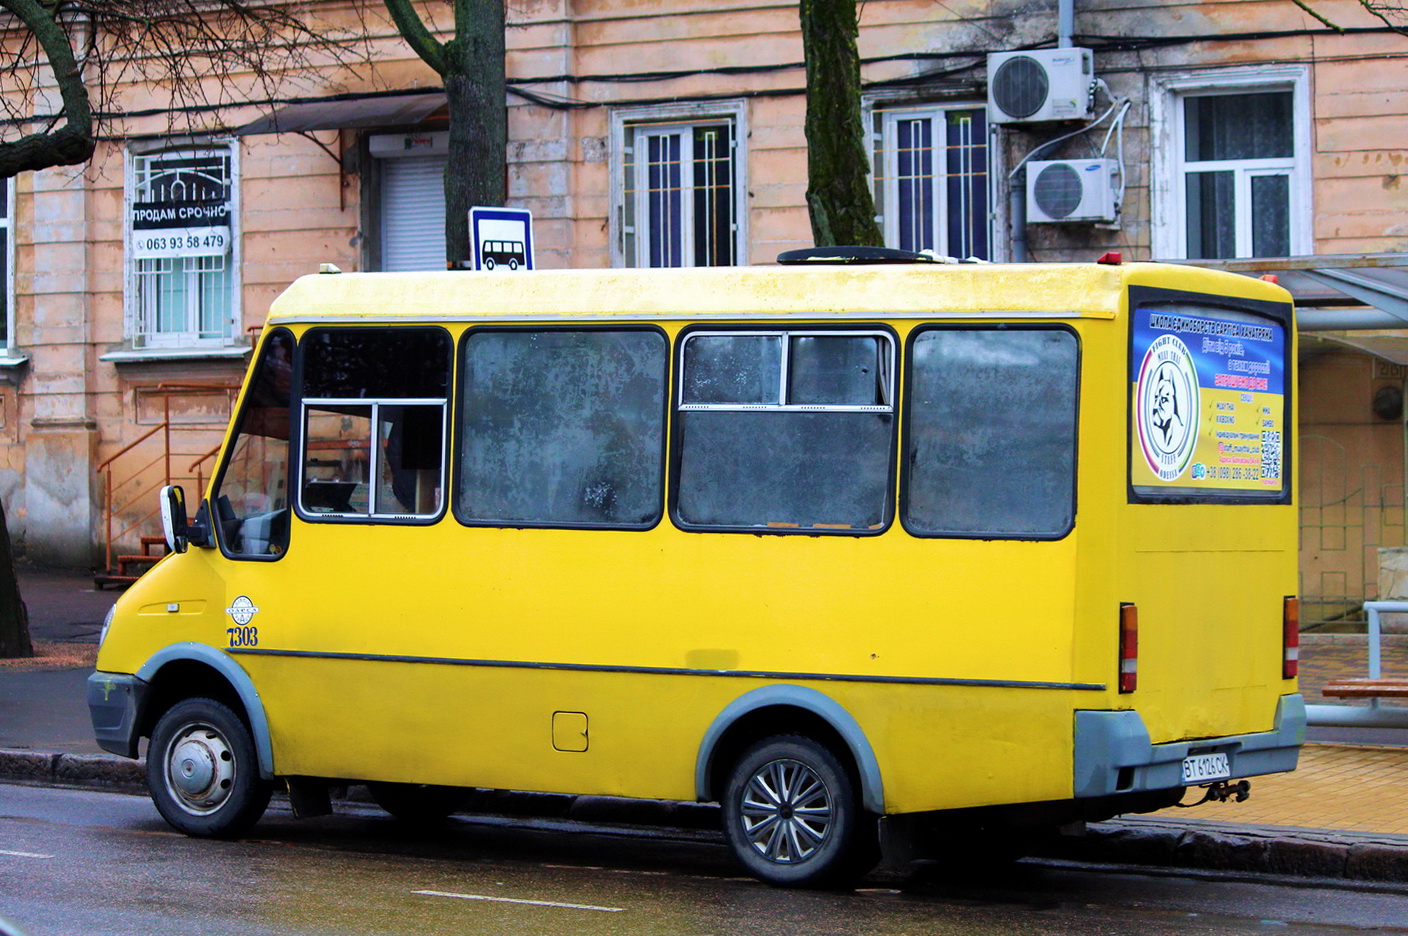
{"x":11,"y":359}
{"x":147,"y":355}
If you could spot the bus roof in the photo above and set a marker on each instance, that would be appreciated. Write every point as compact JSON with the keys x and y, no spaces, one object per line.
{"x":888,"y":291}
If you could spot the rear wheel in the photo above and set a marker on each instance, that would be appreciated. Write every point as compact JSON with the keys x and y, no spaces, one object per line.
{"x":203,"y":772}
{"x":793,"y":818}
{"x":418,"y":804}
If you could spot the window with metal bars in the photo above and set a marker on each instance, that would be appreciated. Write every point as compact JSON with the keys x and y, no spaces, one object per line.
{"x":932,"y":179}
{"x":680,"y":194}
{"x":179,"y":248}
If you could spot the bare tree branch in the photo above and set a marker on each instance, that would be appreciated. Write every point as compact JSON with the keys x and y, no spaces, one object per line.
{"x":1392,"y":14}
{"x":417,"y":34}
{"x":199,"y":54}
{"x":73,"y":142}
{"x":1324,"y":21}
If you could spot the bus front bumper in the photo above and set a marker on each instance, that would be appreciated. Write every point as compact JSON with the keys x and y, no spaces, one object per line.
{"x":1113,"y":753}
{"x":115,"y":705}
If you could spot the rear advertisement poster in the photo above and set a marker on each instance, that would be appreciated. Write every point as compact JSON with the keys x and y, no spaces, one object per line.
{"x":1208,"y":402}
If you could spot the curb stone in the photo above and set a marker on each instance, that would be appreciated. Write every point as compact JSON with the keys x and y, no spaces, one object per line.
{"x":85,"y":770}
{"x":1224,"y":847}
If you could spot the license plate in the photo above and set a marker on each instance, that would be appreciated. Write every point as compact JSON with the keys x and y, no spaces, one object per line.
{"x":1200,"y":768}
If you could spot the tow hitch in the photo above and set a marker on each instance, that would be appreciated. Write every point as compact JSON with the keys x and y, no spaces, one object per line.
{"x":1222,"y":791}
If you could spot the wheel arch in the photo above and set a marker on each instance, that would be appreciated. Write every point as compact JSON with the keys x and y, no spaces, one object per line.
{"x":782,"y":709}
{"x":190,"y":669}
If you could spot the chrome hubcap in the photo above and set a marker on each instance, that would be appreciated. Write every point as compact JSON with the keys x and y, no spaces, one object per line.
{"x":200,"y":769}
{"x":787,"y":812}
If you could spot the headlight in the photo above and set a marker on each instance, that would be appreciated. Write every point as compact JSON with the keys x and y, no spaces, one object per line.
{"x":107,"y":622}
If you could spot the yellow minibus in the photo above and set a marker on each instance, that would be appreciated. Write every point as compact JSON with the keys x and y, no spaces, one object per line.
{"x":876,"y":555}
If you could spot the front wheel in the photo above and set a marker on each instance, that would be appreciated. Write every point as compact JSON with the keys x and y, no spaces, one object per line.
{"x":793,"y":818}
{"x":203,"y":772}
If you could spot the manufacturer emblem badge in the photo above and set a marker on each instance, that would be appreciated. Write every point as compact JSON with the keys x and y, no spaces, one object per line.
{"x":242,"y":610}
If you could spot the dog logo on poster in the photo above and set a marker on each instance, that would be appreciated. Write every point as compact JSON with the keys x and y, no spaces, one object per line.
{"x":1167,"y":407}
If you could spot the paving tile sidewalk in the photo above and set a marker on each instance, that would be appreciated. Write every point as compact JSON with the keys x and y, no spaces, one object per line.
{"x":1339,"y":787}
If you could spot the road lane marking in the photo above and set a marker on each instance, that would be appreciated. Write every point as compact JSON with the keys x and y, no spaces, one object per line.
{"x":532,"y":903}
{"x":15,"y":854}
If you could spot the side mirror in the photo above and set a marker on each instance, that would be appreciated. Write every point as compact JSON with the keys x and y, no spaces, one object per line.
{"x":173,"y":518}
{"x":181,"y":533}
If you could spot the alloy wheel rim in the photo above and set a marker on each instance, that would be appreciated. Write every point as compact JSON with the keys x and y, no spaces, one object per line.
{"x":787,"y":813}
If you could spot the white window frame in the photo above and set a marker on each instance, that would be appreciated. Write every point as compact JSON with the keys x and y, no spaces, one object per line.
{"x":1168,"y":199}
{"x":7,"y":223}
{"x":890,"y":114}
{"x":376,"y":442}
{"x":134,"y":330}
{"x":626,"y":127}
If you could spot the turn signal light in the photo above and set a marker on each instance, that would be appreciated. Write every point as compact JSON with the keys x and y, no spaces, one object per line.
{"x":1129,"y":647}
{"x":1290,"y":638}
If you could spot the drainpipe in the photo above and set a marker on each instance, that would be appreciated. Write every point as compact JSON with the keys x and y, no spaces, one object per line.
{"x":1065,"y":23}
{"x":1017,"y":214}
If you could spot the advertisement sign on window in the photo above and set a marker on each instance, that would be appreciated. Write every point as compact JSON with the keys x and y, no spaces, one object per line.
{"x":182,"y":208}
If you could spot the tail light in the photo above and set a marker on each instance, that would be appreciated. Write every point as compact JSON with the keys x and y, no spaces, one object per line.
{"x":1290,"y":638}
{"x":1129,"y":647}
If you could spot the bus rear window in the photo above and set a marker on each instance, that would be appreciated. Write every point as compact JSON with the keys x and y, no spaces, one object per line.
{"x":1208,"y":403}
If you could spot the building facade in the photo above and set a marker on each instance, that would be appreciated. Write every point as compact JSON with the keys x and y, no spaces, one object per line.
{"x":667,"y":134}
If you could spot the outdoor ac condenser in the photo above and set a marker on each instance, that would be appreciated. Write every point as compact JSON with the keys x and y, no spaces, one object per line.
{"x":1072,"y":190}
{"x":1040,"y":85}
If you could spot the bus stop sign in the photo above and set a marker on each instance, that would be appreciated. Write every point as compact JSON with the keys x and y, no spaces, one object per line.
{"x":502,"y":238}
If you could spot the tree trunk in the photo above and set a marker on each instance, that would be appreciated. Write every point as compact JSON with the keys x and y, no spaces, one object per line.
{"x":475,"y":87}
{"x":14,"y":622}
{"x":839,"y":200}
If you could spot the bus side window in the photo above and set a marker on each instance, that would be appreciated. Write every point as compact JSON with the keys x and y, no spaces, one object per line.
{"x":251,"y":493}
{"x":991,"y":433}
{"x":562,"y":427}
{"x":373,"y":423}
{"x":786,"y":430}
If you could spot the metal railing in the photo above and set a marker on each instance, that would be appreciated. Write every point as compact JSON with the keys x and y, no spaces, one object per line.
{"x":134,"y":474}
{"x":1372,"y":714}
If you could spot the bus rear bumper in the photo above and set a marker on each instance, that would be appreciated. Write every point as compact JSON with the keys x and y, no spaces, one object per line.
{"x":1113,"y":753}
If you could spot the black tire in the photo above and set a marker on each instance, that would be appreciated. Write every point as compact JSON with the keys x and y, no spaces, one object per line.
{"x":203,"y":771}
{"x":793,"y":818}
{"x":419,"y":804}
{"x":513,"y":263}
{"x":488,"y":263}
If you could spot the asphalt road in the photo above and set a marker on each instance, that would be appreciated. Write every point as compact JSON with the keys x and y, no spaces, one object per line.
{"x":80,"y":863}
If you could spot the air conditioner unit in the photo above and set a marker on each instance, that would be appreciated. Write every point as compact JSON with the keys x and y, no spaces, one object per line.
{"x":1072,"y":190}
{"x":1040,"y":85}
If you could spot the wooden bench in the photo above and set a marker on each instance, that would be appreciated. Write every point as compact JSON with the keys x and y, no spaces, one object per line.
{"x":1385,"y":687}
